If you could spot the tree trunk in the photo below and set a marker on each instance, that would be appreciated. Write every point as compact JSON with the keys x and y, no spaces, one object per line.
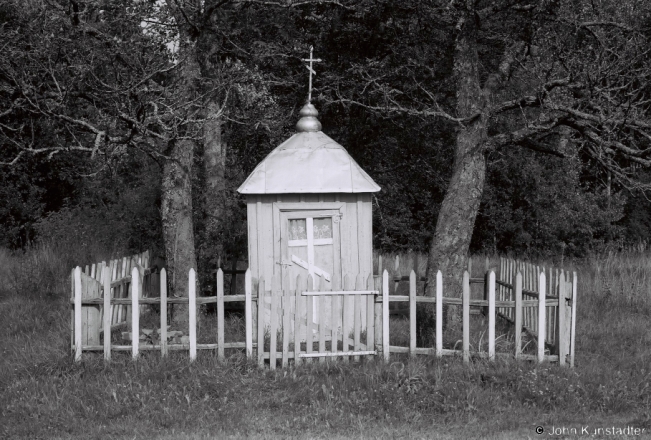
{"x":176,"y":200}
{"x":214,"y":155}
{"x":178,"y":230}
{"x":456,"y":220}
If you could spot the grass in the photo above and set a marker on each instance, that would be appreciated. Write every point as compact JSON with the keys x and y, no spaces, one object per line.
{"x":43,"y":394}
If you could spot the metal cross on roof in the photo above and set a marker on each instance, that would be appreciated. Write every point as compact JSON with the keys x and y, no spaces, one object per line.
{"x":312,"y":72}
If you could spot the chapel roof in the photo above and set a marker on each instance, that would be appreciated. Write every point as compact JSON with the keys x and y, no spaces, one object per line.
{"x":308,"y":162}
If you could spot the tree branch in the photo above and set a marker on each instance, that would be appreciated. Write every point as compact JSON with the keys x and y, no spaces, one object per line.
{"x":292,"y":4}
{"x":410,"y":111}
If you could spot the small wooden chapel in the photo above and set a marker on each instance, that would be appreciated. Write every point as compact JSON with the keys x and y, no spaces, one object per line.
{"x":309,"y":211}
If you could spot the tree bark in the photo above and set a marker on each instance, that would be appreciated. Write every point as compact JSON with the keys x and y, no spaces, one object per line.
{"x":456,"y":220}
{"x":178,"y":229}
{"x":214,"y":155}
{"x":176,"y":199}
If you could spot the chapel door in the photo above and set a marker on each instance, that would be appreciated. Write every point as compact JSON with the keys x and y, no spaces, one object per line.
{"x":310,"y":243}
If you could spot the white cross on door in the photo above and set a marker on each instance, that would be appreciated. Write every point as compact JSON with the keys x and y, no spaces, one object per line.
{"x":315,"y":233}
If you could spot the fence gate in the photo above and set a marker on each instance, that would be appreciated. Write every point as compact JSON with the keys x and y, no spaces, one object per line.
{"x":305,"y":323}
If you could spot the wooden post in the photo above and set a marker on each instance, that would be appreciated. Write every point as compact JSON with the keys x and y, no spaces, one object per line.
{"x":466,"y":317}
{"x":541,"y":319}
{"x":273,"y":327}
{"x":439,"y":314}
{"x":285,"y":308}
{"x":135,"y":313}
{"x":500,"y":288}
{"x":357,"y":316}
{"x":248,"y":314}
{"x":309,"y":312}
{"x":385,"y":316}
{"x":334,"y":323}
{"x":484,"y":309}
{"x":412,"y":314}
{"x":261,"y":295}
{"x":518,"y":315}
{"x":220,"y":315}
{"x":345,"y":320}
{"x":573,"y":328}
{"x":106,"y":278}
{"x":90,"y":320}
{"x":163,"y":312}
{"x":377,"y":285}
{"x":562,"y":338}
{"x":72,"y":311}
{"x":300,"y":287}
{"x":192,"y":310}
{"x":491,"y":315}
{"x":370,"y":316}
{"x":77,"y":284}
{"x":114,"y":308}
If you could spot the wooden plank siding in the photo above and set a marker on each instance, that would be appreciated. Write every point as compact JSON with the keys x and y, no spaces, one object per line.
{"x":352,"y":252}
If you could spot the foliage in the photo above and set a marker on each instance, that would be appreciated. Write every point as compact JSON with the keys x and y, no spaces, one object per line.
{"x":87,"y":86}
{"x":537,"y":206}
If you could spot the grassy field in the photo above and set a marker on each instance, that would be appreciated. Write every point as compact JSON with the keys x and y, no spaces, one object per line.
{"x":44,"y":395}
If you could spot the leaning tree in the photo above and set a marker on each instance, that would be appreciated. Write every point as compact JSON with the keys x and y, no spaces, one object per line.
{"x":568,"y":79}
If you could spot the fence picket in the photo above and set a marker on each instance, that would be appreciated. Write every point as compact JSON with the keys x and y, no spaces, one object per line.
{"x":439,"y":314}
{"x":357,"y":316}
{"x":349,"y":284}
{"x":334,"y":323}
{"x":370,"y":318}
{"x":541,"y":319}
{"x":273,"y":328}
{"x":491,"y":315}
{"x":163,"y":312}
{"x":518,"y":315}
{"x":300,"y":285}
{"x":286,"y":313}
{"x":192,"y":311}
{"x":385,"y":315}
{"x":106,"y":277}
{"x":248,"y":314}
{"x":322,"y":308}
{"x":261,"y":296}
{"x":562,"y":333}
{"x":135,"y":317}
{"x":573,"y":329}
{"x":466,"y":317}
{"x":77,"y":310}
{"x":309,"y":329}
{"x":412,"y":314}
{"x":220,"y":315}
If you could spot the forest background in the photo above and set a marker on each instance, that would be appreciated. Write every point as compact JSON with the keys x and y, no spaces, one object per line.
{"x":507,"y":126}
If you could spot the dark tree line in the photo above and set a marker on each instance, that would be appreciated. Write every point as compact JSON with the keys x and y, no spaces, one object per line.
{"x":496,"y":125}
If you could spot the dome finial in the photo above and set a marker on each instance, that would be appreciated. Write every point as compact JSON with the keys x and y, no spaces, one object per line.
{"x":308,"y":121}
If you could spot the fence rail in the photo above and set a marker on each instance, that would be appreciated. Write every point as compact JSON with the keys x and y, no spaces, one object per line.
{"x":353,"y":322}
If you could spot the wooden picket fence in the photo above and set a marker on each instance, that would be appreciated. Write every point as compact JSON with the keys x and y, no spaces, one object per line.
{"x":349,"y":323}
{"x":119,"y":316}
{"x":505,"y":269}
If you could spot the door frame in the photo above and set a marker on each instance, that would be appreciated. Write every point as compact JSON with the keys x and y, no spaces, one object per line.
{"x":283,"y":212}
